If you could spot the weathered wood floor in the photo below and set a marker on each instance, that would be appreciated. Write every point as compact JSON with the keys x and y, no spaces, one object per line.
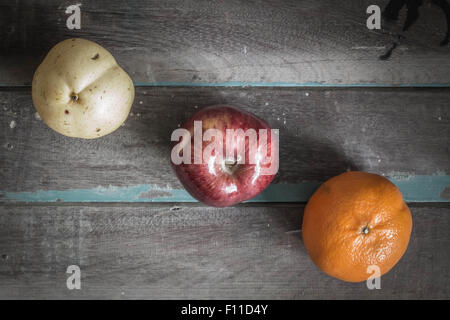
{"x":310,"y":68}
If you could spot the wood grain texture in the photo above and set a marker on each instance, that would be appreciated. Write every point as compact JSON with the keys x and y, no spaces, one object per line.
{"x":323,"y":132}
{"x":227,"y":42}
{"x":166,"y":252}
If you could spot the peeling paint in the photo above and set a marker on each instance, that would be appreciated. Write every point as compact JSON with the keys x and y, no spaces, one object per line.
{"x":445,"y":194}
{"x":399,"y":176}
{"x":98,"y":194}
{"x":152,"y":194}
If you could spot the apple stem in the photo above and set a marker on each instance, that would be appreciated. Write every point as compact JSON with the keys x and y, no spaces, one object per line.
{"x":229,"y":166}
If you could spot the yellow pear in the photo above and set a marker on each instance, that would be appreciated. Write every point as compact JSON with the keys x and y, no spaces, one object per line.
{"x":79,"y":90}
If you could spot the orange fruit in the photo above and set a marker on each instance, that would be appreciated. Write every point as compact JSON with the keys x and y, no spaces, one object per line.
{"x":353,"y":221}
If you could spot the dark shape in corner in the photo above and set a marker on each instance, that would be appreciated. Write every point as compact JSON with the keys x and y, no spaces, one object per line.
{"x":392,"y":10}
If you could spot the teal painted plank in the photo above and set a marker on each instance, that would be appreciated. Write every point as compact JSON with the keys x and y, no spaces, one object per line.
{"x":413,"y":188}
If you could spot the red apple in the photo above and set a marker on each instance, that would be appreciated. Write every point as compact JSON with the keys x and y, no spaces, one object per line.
{"x":220,"y":164}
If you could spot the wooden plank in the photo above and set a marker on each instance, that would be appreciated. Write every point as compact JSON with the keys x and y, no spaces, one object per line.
{"x":403,"y":134}
{"x":287,"y":43}
{"x":160,"y":252}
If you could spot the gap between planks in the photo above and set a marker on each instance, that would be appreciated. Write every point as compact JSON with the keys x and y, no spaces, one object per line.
{"x":238,"y":84}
